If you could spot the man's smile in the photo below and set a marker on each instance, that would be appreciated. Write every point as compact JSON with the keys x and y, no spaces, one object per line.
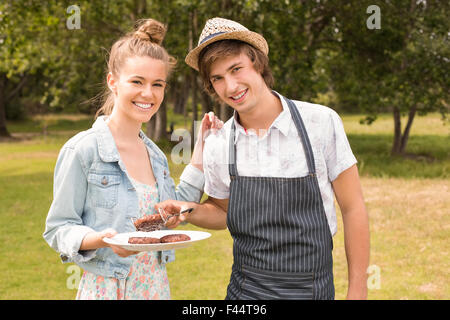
{"x":240,"y":96}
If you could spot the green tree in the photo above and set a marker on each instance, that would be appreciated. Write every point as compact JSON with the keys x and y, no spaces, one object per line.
{"x":402,"y":68}
{"x":319,"y":50}
{"x":24,"y":50}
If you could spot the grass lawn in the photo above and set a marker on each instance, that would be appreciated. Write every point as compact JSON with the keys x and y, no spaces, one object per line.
{"x":408,"y":203}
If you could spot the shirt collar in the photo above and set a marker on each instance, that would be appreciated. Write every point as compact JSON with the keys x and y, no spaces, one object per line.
{"x":282,"y":122}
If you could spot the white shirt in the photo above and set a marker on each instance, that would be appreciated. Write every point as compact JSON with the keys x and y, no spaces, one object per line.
{"x":279,"y":152}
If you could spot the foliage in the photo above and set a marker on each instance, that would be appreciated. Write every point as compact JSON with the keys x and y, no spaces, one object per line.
{"x":320,"y":51}
{"x":403,"y":67}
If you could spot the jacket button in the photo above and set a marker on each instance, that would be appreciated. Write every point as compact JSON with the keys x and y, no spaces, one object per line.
{"x":104,"y":181}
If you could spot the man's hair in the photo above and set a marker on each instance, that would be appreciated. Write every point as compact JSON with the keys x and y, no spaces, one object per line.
{"x":227,"y":48}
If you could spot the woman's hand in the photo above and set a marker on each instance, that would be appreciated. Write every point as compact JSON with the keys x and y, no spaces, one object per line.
{"x":210,"y":124}
{"x":94,"y":240}
{"x":121,"y":252}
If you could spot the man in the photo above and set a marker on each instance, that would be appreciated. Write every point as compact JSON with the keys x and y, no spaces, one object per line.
{"x":271,"y":175}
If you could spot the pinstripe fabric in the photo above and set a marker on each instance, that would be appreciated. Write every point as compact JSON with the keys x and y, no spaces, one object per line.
{"x":282,"y":245}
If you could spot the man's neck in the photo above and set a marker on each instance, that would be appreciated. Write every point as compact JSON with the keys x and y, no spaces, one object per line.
{"x":262,"y":117}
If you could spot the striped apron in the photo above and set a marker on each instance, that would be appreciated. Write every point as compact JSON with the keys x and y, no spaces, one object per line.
{"x":282,"y":244}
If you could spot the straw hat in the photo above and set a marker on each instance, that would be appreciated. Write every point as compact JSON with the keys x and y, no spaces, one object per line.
{"x":220,"y":29}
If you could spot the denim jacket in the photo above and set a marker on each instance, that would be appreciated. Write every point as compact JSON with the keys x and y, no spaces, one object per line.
{"x":92,"y":191}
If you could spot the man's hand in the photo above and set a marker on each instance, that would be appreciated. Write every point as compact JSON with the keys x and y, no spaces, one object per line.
{"x":210,"y":124}
{"x":211,"y":214}
{"x":170,"y":207}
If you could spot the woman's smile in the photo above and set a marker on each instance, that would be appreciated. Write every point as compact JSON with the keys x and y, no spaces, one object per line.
{"x":142,"y":105}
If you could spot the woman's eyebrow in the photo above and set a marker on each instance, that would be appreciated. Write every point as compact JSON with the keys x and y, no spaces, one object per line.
{"x":141,"y":77}
{"x":136,"y":76}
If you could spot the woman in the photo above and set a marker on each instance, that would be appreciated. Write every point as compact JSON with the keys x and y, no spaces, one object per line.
{"x":112,"y":173}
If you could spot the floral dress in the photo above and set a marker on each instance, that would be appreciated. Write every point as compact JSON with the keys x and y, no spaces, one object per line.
{"x":147,"y":279}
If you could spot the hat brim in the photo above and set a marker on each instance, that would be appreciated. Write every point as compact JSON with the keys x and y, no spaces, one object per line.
{"x":250,"y":37}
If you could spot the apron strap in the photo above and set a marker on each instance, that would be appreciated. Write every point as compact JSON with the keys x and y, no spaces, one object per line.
{"x":303,"y":135}
{"x":232,"y":168}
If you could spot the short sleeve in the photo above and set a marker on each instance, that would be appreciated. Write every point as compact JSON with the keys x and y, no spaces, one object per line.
{"x":191,"y":184}
{"x":337,"y":151}
{"x":193,"y":176}
{"x":215,"y":168}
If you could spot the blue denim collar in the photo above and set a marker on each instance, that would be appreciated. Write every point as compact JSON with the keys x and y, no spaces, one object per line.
{"x":107,"y":148}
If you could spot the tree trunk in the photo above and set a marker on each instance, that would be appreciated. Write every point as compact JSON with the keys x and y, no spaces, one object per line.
{"x":397,"y":132}
{"x":207,"y":104}
{"x":157,"y":126}
{"x":193,"y":27}
{"x":151,"y":125}
{"x":138,"y":9}
{"x":181,"y":94}
{"x":405,"y":136}
{"x":3,"y":130}
{"x":401,"y":139}
{"x":194,"y":107}
{"x":161,"y":123}
{"x":226,"y":112}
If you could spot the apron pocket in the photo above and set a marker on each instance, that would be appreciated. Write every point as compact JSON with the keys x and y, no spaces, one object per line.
{"x":270,"y":285}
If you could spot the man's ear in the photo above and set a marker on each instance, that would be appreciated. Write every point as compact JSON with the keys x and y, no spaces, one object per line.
{"x":111,"y":81}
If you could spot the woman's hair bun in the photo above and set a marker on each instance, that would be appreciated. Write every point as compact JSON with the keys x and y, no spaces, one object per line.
{"x":151,"y":30}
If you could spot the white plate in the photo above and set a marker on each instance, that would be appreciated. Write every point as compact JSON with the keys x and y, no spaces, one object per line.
{"x":121,"y":239}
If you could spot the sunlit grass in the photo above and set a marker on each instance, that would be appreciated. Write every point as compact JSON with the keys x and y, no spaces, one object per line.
{"x":408,"y":203}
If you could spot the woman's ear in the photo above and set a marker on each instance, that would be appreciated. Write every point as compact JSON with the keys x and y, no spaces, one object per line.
{"x":111,"y":81}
